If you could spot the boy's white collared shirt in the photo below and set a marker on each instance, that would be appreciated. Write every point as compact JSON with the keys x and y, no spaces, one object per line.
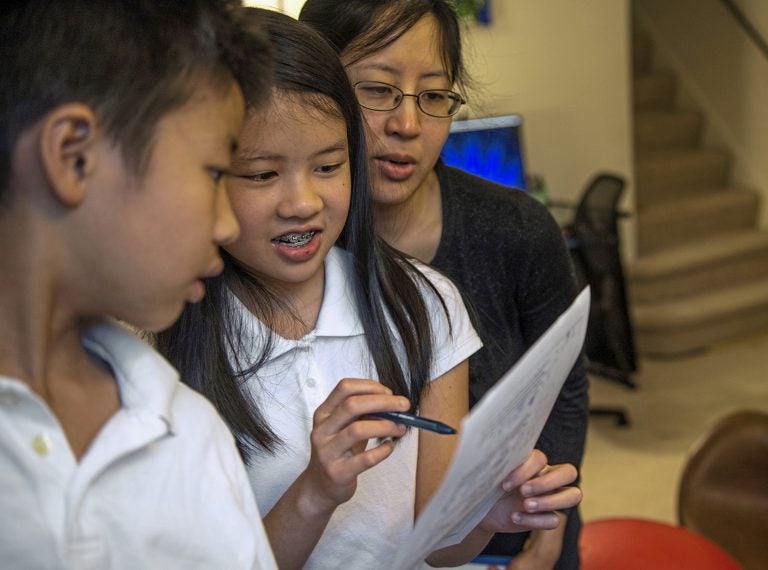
{"x":298,"y":377}
{"x":161,"y":486}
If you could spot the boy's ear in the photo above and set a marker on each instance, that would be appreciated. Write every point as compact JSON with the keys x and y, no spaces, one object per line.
{"x":68,"y":142}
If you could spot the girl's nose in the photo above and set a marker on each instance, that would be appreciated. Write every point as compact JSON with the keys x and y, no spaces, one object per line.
{"x":301,"y":201}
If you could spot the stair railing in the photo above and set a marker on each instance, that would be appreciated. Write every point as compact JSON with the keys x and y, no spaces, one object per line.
{"x":746,"y":25}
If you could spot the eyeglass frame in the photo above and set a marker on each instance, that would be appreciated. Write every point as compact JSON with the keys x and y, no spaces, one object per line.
{"x":417,"y":96}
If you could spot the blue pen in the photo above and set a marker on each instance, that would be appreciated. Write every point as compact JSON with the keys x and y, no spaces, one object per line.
{"x":415,"y":421}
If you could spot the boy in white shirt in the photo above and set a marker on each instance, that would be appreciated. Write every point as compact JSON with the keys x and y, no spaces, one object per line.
{"x":117,"y":120}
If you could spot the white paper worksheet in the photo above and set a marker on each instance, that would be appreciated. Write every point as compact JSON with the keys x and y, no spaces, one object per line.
{"x":497,"y":436}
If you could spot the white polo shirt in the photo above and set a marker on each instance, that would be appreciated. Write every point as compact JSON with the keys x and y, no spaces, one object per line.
{"x":300,"y":374}
{"x":160,"y":487}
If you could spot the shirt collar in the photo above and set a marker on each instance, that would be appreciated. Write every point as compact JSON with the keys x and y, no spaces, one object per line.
{"x":338,"y":312}
{"x":146,"y":380}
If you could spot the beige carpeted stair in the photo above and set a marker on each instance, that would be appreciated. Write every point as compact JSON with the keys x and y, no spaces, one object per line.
{"x":701,"y":275}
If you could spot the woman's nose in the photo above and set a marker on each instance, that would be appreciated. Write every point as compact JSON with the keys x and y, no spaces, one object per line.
{"x":405,"y":119}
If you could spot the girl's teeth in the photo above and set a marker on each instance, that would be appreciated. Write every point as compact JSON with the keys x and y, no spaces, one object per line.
{"x":296,"y":239}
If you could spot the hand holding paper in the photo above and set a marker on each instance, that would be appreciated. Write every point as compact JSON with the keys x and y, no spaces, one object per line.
{"x":533,"y":492}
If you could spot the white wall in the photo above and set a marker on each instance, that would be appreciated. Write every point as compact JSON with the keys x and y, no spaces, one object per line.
{"x":290,"y":7}
{"x":723,"y":74}
{"x":565,"y":66}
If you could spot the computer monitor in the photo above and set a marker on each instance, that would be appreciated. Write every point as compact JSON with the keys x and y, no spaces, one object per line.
{"x":490,"y":147}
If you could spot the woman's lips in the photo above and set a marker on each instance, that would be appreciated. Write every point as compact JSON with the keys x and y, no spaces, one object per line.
{"x":395,"y":169}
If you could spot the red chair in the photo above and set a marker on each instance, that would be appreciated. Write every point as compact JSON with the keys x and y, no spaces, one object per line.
{"x":640,"y":544}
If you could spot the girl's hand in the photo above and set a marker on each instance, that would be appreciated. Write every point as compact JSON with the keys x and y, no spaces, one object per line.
{"x":340,"y":437}
{"x":534,"y":491}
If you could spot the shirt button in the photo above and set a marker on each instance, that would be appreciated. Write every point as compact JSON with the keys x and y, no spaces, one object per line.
{"x":311,"y":382}
{"x":42,"y":444}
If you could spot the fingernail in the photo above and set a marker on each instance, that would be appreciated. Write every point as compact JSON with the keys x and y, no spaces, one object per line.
{"x":507,"y":486}
{"x":517,"y":518}
{"x":531,"y":505}
{"x":526,"y":490}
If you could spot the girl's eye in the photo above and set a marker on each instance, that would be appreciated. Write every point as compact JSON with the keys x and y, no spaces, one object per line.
{"x":262,"y":176}
{"x":329,"y":168}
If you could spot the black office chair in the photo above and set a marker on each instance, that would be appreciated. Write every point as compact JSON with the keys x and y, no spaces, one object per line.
{"x":593,"y":240}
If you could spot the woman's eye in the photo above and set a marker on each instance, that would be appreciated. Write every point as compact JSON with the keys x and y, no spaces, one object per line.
{"x":434,"y":96}
{"x":378,"y":91}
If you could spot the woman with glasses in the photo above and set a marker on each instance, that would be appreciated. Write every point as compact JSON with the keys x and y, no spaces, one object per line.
{"x":499,"y":245}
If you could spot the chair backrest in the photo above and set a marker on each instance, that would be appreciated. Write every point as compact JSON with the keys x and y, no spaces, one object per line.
{"x":723,"y":492}
{"x":597,"y":261}
{"x":595,"y":222}
{"x":602,"y":194}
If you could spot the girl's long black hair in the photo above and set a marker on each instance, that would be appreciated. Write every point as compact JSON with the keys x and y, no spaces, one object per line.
{"x":209,"y":340}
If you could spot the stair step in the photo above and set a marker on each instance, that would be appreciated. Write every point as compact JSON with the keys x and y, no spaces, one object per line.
{"x":677,"y":327}
{"x":667,"y":129}
{"x":706,"y":265}
{"x":669,"y":174}
{"x":654,"y":90}
{"x":672,"y":223}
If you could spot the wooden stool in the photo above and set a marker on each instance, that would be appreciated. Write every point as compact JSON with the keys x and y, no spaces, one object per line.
{"x":723,"y":491}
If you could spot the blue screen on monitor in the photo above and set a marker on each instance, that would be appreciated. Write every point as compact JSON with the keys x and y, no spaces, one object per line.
{"x":489,"y":147}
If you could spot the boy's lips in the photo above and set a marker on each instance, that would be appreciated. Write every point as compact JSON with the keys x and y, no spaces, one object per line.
{"x":198,"y":287}
{"x":214,"y":268}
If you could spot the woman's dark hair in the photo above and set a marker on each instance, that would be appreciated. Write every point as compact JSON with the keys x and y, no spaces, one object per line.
{"x":208,"y":342}
{"x":132,"y":61}
{"x":363,"y":27}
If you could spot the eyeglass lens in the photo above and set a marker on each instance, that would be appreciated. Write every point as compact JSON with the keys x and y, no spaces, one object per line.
{"x":384,"y":97}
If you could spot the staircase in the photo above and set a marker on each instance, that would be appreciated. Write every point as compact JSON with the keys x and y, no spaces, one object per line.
{"x":701,"y":275}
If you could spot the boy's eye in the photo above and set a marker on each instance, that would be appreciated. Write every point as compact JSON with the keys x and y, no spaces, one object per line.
{"x":216,"y":174}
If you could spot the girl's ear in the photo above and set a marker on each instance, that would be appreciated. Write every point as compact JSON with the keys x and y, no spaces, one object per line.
{"x":68,"y":150}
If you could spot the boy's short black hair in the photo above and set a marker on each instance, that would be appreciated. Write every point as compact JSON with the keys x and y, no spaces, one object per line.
{"x":132,"y":61}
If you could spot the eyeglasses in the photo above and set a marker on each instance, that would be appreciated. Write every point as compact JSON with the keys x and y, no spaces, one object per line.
{"x":378,"y":96}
